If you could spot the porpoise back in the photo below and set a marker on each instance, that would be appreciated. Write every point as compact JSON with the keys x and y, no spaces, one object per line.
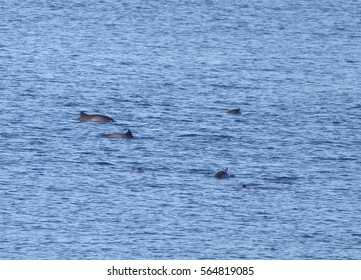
{"x":234,"y":111}
{"x":84,"y":117}
{"x":127,"y":135}
{"x":222,"y":174}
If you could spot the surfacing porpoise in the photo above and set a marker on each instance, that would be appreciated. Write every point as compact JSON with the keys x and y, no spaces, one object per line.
{"x":84,"y":117}
{"x":234,"y":111}
{"x":222,"y":174}
{"x":127,"y":135}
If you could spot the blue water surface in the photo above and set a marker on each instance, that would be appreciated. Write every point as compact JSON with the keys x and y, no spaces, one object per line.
{"x":169,"y":71}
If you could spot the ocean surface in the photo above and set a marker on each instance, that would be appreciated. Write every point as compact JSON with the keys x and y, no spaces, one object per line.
{"x":169,"y":71}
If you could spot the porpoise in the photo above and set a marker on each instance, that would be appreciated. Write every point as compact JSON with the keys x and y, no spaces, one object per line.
{"x":84,"y":117}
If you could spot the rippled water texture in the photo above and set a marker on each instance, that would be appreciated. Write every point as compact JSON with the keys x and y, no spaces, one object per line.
{"x":169,"y":71}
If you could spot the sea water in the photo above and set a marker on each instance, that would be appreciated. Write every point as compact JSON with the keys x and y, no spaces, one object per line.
{"x":169,"y":71}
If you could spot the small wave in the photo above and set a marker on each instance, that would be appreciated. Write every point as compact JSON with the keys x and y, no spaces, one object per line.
{"x":188,"y":135}
{"x":199,"y":171}
{"x":344,"y":158}
{"x":356,"y":106}
{"x":283,"y":179}
{"x":104,"y":163}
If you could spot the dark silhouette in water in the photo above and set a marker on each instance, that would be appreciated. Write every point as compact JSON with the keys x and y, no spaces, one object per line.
{"x":84,"y":117}
{"x":222,"y":174}
{"x":234,"y":111}
{"x":137,"y":169}
{"x":250,"y":186}
{"x":127,"y":135}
